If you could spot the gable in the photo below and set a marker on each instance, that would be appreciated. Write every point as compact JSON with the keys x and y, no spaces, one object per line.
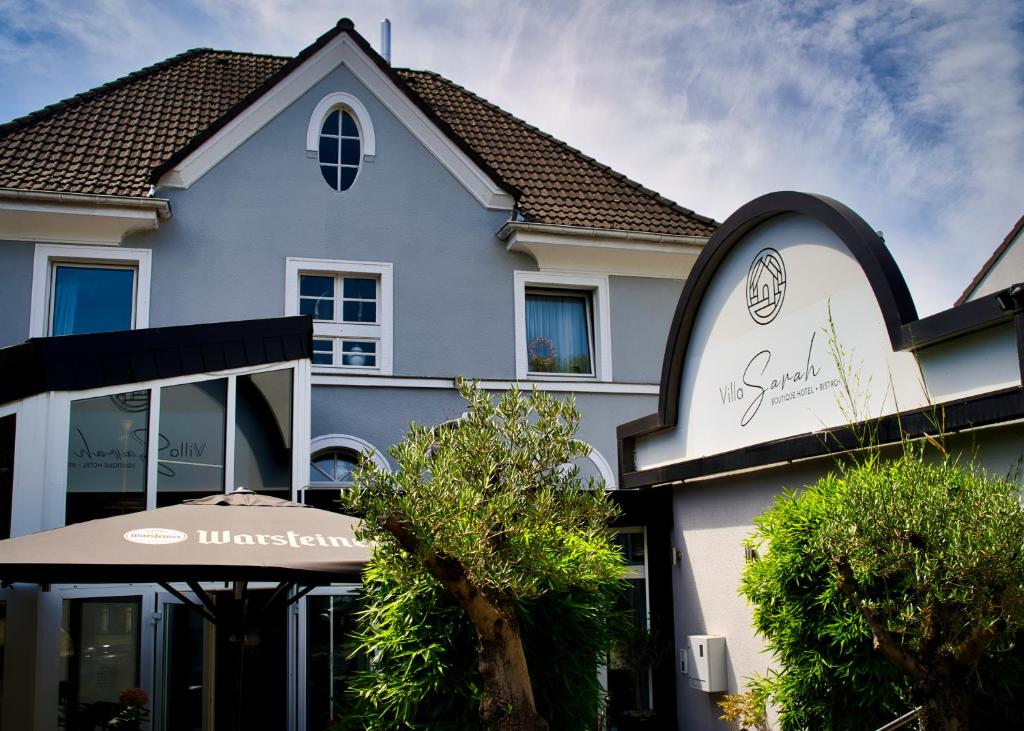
{"x":792,"y":323}
{"x":1004,"y":268}
{"x":343,"y":49}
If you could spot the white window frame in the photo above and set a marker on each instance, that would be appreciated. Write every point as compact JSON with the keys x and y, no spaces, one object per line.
{"x":367,"y":139}
{"x":47,"y":256}
{"x":381,"y":332}
{"x":600,"y":309}
{"x":341,"y":100}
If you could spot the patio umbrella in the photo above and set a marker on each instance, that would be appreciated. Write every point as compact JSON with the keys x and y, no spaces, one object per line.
{"x":237,"y":537}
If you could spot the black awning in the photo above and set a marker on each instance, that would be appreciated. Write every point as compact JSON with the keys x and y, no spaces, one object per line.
{"x":79,"y":362}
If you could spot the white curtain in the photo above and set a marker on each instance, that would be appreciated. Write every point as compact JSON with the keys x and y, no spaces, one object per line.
{"x":557,"y":333}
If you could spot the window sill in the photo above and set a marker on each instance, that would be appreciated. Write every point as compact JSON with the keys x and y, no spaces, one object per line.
{"x":347,"y":370}
{"x":562,"y":377}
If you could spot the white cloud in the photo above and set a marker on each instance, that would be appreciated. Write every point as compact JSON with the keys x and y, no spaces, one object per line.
{"x":908,"y":112}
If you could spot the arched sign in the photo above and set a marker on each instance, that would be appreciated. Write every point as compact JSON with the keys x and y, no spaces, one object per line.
{"x":790,"y":324}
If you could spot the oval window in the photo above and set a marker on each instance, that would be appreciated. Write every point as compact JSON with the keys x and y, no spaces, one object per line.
{"x":340,"y":152}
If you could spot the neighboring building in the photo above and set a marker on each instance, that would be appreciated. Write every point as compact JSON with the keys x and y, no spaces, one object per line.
{"x":752,"y":402}
{"x":1002,"y":269}
{"x":203,"y":202}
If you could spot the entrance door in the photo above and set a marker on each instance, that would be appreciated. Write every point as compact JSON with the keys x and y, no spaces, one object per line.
{"x":185,"y":669}
{"x":325,"y":625}
{"x":215,"y":678}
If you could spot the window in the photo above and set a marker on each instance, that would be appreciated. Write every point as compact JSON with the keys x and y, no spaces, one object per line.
{"x":559,"y":332}
{"x":91,"y":299}
{"x":563,"y":327}
{"x":88,"y":289}
{"x":350,"y":303}
{"x":340,"y":136}
{"x":629,"y":689}
{"x":263,"y":433}
{"x":330,"y":621}
{"x":339,"y":149}
{"x":334,"y":456}
{"x":192,"y":442}
{"x":344,"y":299}
{"x":107,"y":456}
{"x":7,"y":431}
{"x":332,"y":467}
{"x":100,"y":652}
{"x":162,"y":445}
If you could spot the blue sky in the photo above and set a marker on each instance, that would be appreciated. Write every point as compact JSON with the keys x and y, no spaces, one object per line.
{"x":912,"y":113}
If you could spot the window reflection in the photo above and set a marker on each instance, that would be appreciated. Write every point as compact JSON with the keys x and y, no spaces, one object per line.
{"x":191,"y":446}
{"x":107,"y":456}
{"x":330,"y":620}
{"x":263,"y":432}
{"x":99,"y":649}
{"x":7,"y":431}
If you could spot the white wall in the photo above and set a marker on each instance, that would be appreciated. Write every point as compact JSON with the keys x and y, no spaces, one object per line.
{"x":713,"y":517}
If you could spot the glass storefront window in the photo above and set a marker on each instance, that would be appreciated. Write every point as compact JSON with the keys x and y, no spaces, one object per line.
{"x":109,"y":440}
{"x":263,"y":432}
{"x":107,"y":456}
{"x":99,"y":652}
{"x":186,"y":669}
{"x":3,"y":652}
{"x":190,"y":462}
{"x":7,"y":426}
{"x":329,"y":621}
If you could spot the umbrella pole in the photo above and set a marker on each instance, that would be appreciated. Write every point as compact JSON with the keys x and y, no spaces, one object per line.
{"x":240,"y":596}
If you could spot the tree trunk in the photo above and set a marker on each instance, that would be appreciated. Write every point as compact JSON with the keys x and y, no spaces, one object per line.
{"x":944,"y":704}
{"x":507,"y":703}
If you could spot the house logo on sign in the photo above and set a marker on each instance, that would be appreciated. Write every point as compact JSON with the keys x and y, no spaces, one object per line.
{"x":766,"y":286}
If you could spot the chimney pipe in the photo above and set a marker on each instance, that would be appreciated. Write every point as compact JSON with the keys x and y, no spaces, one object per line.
{"x":385,"y":40}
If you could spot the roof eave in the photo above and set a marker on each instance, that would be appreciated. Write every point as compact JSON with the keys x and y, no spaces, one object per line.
{"x":86,"y":218}
{"x":511,"y":227}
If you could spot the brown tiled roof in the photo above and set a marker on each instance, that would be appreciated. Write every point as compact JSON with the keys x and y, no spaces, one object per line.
{"x":109,"y":139}
{"x":114,"y":139}
{"x":559,"y":184}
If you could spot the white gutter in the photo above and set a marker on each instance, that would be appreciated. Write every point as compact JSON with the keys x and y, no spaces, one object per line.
{"x":161,"y":206}
{"x":511,"y":227}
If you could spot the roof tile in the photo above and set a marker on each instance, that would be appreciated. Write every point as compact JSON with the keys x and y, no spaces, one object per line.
{"x":109,"y":140}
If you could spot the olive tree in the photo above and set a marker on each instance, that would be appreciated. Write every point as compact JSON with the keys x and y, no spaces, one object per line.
{"x":490,"y":509}
{"x":890,"y":582}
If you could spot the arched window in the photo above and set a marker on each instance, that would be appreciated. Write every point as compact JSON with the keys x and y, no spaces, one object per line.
{"x":332,"y":467}
{"x":333,"y":458}
{"x":340,"y":136}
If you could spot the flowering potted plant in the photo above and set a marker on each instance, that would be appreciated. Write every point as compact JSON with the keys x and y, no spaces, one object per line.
{"x":133,"y":713}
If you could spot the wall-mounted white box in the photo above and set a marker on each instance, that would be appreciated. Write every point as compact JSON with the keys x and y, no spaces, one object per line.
{"x":707,"y":663}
